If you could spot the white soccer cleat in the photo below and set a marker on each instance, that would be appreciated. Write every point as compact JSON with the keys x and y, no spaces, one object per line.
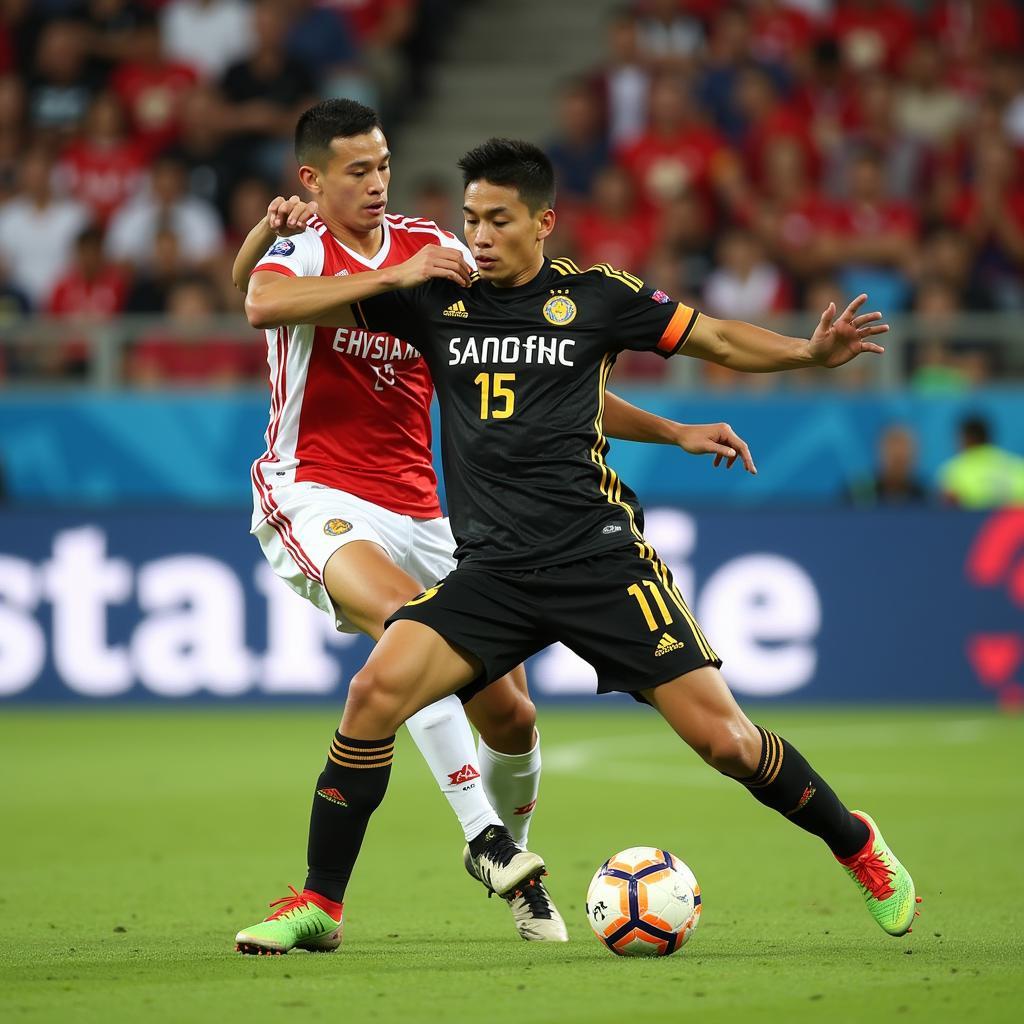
{"x":534,"y":914}
{"x":501,"y":866}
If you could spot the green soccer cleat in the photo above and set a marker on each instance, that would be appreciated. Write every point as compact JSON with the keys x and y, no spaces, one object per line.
{"x":886,"y":884}
{"x":300,"y":922}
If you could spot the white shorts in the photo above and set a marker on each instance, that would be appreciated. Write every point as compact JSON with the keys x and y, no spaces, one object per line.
{"x":313,"y":521}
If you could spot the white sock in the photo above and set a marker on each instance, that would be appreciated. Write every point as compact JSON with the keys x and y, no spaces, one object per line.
{"x":512,"y":782}
{"x":442,"y":733}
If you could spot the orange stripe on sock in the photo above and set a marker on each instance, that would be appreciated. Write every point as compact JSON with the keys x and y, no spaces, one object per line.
{"x":354,"y":746}
{"x":773,"y":762}
{"x":345,"y":763}
{"x":773,"y":774}
{"x":344,"y":748}
{"x":377,"y":755}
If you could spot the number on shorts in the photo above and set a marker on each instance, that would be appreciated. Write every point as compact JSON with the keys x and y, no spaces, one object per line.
{"x":645,"y":606}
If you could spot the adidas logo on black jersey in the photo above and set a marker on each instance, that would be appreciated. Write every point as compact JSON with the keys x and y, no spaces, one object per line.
{"x":456,"y":309}
{"x":667,"y":644}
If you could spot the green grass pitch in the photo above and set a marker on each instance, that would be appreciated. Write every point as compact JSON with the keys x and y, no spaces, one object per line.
{"x":135,"y":843}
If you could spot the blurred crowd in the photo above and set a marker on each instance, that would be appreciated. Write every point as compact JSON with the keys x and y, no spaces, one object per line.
{"x":139,"y":142}
{"x":979,"y":475}
{"x":771,"y":155}
{"x":752,"y":157}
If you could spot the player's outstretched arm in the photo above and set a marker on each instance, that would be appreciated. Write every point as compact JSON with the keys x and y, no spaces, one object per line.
{"x":628,"y":423}
{"x":273,"y":300}
{"x":284,"y":217}
{"x":742,"y":346}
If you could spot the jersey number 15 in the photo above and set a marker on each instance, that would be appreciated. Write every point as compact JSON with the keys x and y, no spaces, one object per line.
{"x":497,"y":402}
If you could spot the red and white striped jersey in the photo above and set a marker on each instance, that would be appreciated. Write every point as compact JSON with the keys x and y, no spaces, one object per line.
{"x":349,"y":408}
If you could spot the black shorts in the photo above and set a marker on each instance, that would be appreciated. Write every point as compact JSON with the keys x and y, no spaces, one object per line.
{"x":620,"y":611}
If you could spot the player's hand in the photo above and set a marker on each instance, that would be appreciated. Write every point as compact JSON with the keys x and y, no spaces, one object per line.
{"x":432,"y":261}
{"x":289,"y":216}
{"x":837,"y":341}
{"x":718,"y":439}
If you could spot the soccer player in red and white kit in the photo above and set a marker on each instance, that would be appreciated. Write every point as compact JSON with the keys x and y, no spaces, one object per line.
{"x":345,"y":501}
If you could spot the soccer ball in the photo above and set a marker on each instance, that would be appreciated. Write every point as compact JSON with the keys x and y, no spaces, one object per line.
{"x":643,"y":902}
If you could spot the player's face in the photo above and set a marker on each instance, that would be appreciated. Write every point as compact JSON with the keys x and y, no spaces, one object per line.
{"x":352,"y":189}
{"x":505,"y":237}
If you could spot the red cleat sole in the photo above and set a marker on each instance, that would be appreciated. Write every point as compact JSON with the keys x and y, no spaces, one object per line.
{"x":917,"y":913}
{"x":247,"y":949}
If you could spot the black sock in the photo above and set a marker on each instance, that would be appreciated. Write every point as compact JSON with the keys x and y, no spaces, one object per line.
{"x":349,"y":790}
{"x":786,"y":783}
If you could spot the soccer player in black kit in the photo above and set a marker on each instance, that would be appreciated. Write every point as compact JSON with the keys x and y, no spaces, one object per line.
{"x":551,"y":544}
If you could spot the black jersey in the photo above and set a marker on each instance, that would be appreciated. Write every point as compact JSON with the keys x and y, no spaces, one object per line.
{"x":520,"y":375}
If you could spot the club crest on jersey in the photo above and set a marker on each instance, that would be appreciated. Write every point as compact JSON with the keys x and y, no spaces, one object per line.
{"x":336,"y":527}
{"x":660,"y":296}
{"x":559,"y":310}
{"x":282,"y":247}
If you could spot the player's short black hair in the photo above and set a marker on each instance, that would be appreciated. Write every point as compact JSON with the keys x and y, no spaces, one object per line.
{"x":515,"y":164}
{"x":328,"y":120}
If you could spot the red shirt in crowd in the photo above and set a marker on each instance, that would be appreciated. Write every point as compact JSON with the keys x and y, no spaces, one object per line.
{"x":780,"y":32}
{"x":888,"y":217}
{"x":101,"y":296}
{"x":366,"y":16}
{"x":103,"y":177}
{"x":152,"y":96}
{"x":623,"y":242}
{"x":664,"y":167}
{"x":804,"y":220}
{"x":952,"y":23}
{"x":783,"y":122}
{"x":966,"y":208}
{"x":874,"y":34}
{"x":197,"y":360}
